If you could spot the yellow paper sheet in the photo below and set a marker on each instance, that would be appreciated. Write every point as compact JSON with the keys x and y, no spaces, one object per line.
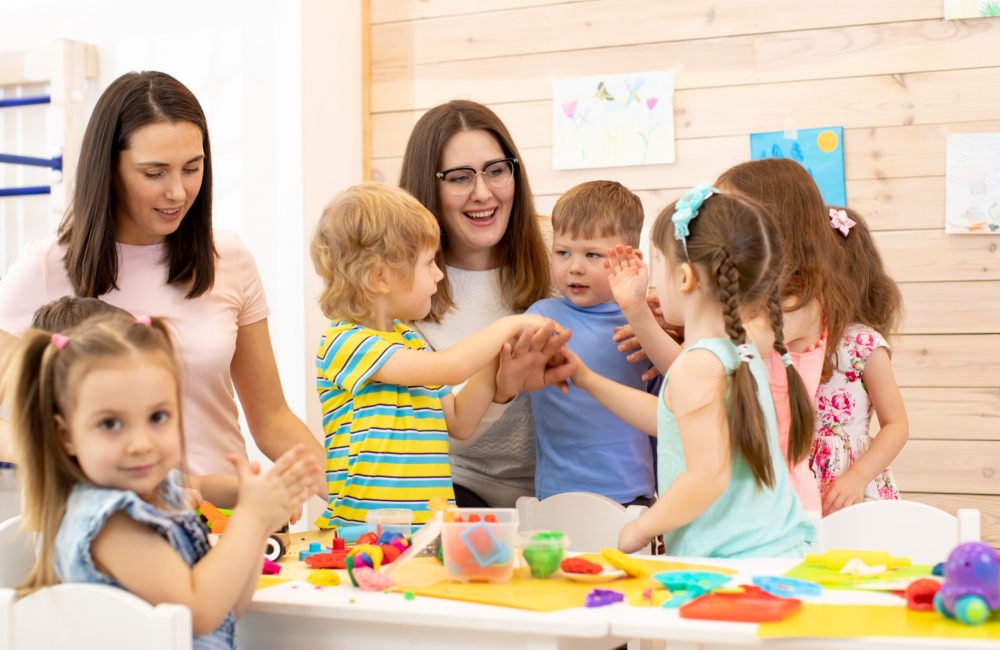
{"x":525,"y":592}
{"x":852,"y":621}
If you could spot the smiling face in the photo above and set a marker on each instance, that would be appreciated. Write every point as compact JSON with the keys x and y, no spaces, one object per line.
{"x":476,"y":222}
{"x":124,"y":429}
{"x":578,"y":268}
{"x":158,"y":178}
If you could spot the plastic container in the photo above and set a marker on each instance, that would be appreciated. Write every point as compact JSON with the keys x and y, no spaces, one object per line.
{"x":479,"y":546}
{"x":393,"y":520}
{"x":542,"y":550}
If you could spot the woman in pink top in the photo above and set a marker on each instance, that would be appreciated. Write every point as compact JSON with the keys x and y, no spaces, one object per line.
{"x":139,"y":235}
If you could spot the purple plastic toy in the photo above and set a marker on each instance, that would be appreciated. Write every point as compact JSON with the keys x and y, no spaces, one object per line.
{"x":971,"y":590}
{"x":602,"y":597}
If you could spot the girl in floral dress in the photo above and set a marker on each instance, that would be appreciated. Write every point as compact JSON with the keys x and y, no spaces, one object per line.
{"x":851,"y":465}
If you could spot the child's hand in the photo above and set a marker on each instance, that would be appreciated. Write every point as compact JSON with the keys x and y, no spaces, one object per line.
{"x":630,"y":539}
{"x":847,"y":490}
{"x":275,"y":496}
{"x":533,"y":362}
{"x":580,"y":370}
{"x":627,"y":275}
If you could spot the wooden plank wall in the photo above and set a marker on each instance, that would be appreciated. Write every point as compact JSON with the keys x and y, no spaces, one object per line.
{"x":893,"y":73}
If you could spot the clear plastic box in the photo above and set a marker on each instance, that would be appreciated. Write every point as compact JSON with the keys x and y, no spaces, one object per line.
{"x":480,"y":545}
{"x":393,"y":520}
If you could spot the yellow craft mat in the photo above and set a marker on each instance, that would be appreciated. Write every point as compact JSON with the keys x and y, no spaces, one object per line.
{"x":833,"y":579}
{"x":525,"y":592}
{"x":852,"y":621}
{"x":425,"y":576}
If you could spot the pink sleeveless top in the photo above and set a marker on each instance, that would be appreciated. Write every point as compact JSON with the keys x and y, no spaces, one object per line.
{"x":810,"y":367}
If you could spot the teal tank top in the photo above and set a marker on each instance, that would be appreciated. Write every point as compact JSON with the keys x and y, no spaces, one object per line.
{"x":747,"y":520}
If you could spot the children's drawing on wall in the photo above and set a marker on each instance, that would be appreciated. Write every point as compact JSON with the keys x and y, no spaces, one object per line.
{"x":820,"y":151}
{"x":959,"y":9}
{"x":613,"y":120}
{"x":973,"y":184}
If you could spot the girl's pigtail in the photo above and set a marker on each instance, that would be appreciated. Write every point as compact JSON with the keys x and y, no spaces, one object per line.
{"x":43,"y":474}
{"x":800,"y":436}
{"x":747,"y":432}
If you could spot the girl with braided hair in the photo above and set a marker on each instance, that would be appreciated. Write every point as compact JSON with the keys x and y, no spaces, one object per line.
{"x":723,"y":490}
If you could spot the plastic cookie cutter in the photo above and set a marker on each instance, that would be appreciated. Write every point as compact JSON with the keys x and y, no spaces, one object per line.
{"x":602,"y":597}
{"x":751,"y":605}
{"x":685,"y":586}
{"x":787,"y":587}
{"x":484,"y":545}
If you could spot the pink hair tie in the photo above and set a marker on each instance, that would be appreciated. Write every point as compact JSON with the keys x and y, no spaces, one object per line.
{"x":59,"y":340}
{"x":144,"y":320}
{"x":840,"y":221}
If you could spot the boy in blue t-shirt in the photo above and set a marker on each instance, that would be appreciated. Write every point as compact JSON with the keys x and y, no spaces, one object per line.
{"x":580,"y":445}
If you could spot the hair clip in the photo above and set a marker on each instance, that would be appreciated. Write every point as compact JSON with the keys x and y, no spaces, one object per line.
{"x":745,"y":351}
{"x":687,"y":209}
{"x":60,"y":341}
{"x":840,"y":221}
{"x":144,"y":320}
{"x":786,"y":359}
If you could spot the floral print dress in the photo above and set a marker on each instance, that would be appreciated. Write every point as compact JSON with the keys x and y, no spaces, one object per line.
{"x":843,"y":413}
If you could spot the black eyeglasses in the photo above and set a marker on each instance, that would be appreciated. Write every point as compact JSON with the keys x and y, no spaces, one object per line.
{"x":460,"y":181}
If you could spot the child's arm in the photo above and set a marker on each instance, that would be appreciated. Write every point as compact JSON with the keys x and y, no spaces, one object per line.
{"x":457,"y":363}
{"x":528,"y":371}
{"x":895,"y":430}
{"x":696,"y":395}
{"x":146,"y":565}
{"x":636,"y":408}
{"x":218,"y":489}
{"x":629,"y":278}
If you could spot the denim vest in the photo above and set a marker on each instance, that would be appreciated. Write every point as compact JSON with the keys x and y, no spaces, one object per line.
{"x":89,"y":508}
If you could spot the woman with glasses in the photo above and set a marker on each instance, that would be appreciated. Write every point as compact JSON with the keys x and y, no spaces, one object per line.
{"x":461,"y":163}
{"x":139,"y":235}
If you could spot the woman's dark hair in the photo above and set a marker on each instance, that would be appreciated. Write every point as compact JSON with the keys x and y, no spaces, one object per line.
{"x":524,"y":260}
{"x":132,"y":101}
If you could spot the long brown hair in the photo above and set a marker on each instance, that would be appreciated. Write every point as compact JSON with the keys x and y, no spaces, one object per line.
{"x":132,"y":101}
{"x":734,"y":244}
{"x":524,"y":261}
{"x":41,"y":383}
{"x":814,"y":261}
{"x":881,"y":303}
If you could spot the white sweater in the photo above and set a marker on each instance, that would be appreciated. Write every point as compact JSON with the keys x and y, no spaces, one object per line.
{"x":498,"y":463}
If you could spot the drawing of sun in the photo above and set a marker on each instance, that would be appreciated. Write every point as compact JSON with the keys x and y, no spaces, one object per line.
{"x":827,"y":141}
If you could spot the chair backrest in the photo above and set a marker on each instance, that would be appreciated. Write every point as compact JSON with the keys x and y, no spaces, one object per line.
{"x":17,"y":554}
{"x":910,"y":529}
{"x":90,"y":617}
{"x":591,"y":521}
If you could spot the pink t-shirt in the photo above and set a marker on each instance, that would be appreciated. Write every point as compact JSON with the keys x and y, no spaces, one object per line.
{"x":203,"y":329}
{"x":810,"y":366}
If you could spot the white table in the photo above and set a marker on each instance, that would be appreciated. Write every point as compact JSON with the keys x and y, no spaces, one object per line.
{"x":690,"y":634}
{"x":299,"y":615}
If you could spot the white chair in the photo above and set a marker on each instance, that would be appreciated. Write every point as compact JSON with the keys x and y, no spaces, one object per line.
{"x":910,"y":529}
{"x":90,"y":617}
{"x":17,"y":554}
{"x":591,"y":521}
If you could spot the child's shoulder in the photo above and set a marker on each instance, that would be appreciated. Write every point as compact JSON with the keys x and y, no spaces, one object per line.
{"x":696,"y":378}
{"x":861,"y":339}
{"x":546,"y":306}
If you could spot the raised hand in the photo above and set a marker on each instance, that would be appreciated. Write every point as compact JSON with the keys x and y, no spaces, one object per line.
{"x":628,"y":276}
{"x":274,"y":496}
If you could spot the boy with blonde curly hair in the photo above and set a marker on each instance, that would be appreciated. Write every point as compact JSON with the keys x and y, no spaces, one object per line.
{"x":388,"y":405}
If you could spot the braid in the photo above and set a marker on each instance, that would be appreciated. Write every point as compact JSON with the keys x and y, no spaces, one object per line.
{"x":747,"y":431}
{"x":728,"y":281}
{"x":800,"y":435}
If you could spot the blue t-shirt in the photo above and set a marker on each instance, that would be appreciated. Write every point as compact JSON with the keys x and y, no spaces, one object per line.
{"x":581,"y":446}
